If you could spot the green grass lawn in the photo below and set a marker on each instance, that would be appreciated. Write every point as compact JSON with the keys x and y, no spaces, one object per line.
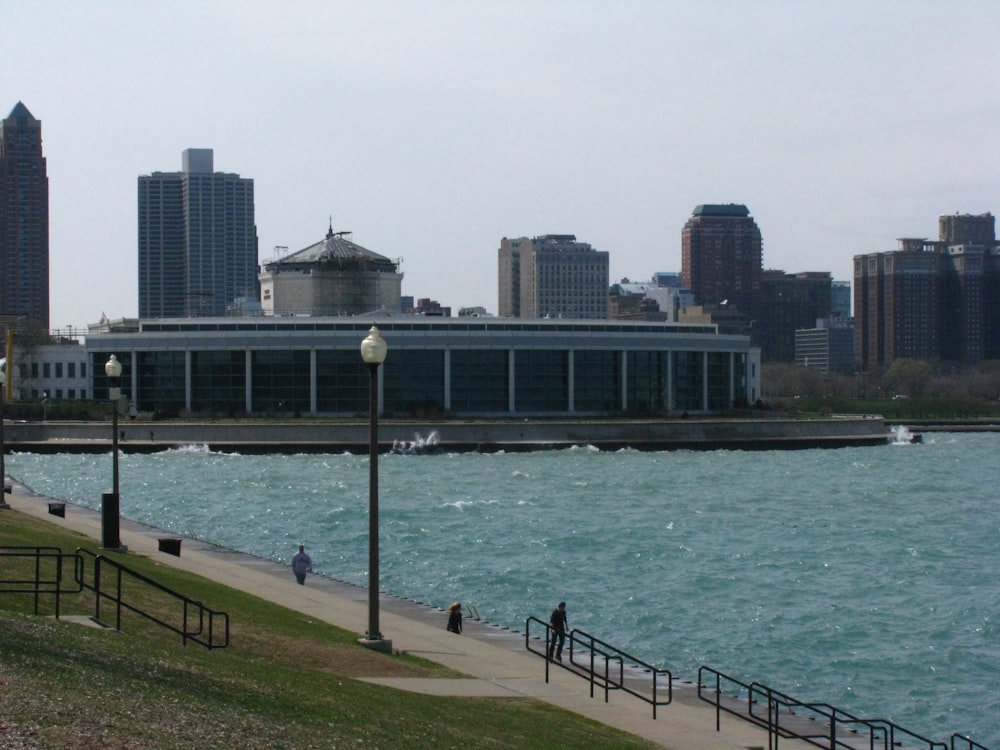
{"x":285,"y":681}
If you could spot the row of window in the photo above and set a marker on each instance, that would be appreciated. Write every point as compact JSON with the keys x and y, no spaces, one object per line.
{"x":426,"y":382}
{"x":58,"y":394}
{"x":48,"y":370}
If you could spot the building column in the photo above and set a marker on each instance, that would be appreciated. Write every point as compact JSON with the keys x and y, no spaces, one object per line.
{"x":670,"y":400}
{"x":133,"y":380}
{"x":511,"y":375}
{"x":704,"y":380}
{"x":447,"y":380}
{"x":248,"y":385}
{"x":732,"y":379}
{"x":570,"y":391}
{"x":312,"y":381}
{"x":188,"y":385}
{"x":624,"y":384}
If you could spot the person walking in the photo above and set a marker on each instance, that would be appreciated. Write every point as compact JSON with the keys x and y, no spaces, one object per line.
{"x":301,"y":564}
{"x":455,"y":618}
{"x":559,"y":624}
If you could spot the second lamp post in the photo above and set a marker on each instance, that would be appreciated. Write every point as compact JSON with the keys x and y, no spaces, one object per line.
{"x":110,"y":507}
{"x":373,"y":351}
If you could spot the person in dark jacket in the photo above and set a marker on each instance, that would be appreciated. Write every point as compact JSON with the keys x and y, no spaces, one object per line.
{"x":455,"y":618}
{"x":559,"y":625}
{"x":301,"y":564}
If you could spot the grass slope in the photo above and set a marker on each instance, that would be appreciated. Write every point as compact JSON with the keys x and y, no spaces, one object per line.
{"x":286,"y":681}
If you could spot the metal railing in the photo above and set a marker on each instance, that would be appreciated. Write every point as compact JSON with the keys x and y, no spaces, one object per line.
{"x":196,"y":621}
{"x":45,"y":577}
{"x":959,"y":741}
{"x":819,"y":724}
{"x":604,"y":665}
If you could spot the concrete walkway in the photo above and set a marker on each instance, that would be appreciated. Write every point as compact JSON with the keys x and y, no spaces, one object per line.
{"x":494,"y":659}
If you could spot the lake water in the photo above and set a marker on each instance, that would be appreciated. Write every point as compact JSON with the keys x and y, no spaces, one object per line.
{"x":861,"y":577}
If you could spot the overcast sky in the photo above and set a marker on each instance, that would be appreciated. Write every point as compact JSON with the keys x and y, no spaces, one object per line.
{"x":432,"y":129}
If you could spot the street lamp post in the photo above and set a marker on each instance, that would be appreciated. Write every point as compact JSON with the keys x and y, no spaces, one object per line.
{"x":3,"y":446}
{"x":110,"y":504}
{"x":373,"y":351}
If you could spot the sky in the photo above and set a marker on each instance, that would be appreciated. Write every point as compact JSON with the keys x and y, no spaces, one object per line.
{"x":432,"y":129}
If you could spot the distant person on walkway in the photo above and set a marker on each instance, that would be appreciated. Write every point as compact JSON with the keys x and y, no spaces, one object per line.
{"x":455,"y":618}
{"x":301,"y":564}
{"x":558,"y":623}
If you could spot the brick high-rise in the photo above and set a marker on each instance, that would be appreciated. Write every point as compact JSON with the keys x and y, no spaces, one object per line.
{"x":930,"y":300}
{"x":722,"y":256}
{"x":24,"y":220}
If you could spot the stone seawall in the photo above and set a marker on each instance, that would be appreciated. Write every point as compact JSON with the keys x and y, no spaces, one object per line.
{"x":295,"y":436}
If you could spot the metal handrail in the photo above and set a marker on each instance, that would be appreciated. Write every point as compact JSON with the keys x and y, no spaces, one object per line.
{"x":966,"y":742}
{"x":881,"y":733}
{"x":890,"y":734}
{"x":193,"y":613}
{"x":592,"y":653}
{"x":39,"y":585}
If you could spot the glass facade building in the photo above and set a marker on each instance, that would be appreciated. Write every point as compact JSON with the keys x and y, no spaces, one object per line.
{"x":435,"y":367}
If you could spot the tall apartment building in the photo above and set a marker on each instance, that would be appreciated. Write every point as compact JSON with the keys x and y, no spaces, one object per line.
{"x":509,"y":277}
{"x":722,"y":256}
{"x":958,"y":229}
{"x":552,"y":276}
{"x":24,"y":220}
{"x":197,"y":240}
{"x":930,"y":300}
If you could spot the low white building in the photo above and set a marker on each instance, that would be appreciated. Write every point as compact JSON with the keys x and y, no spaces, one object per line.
{"x":54,"y":371}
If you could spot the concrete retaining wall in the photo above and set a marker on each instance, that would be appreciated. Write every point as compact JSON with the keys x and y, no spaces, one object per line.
{"x":327,"y":436}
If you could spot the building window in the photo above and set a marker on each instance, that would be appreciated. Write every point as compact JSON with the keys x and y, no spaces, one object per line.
{"x":280,"y":381}
{"x":479,"y":381}
{"x":341,"y":382}
{"x":540,"y":380}
{"x":413,"y":383}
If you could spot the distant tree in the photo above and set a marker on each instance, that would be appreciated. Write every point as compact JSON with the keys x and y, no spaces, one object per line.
{"x":908,"y":377}
{"x":784,"y":379}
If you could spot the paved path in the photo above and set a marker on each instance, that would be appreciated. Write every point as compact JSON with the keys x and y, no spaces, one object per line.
{"x":494,"y":659}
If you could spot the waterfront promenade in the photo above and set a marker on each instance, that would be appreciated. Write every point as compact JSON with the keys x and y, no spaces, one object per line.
{"x":494,"y":659}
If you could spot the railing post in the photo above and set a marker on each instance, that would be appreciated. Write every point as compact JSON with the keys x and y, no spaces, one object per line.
{"x":97,"y":588}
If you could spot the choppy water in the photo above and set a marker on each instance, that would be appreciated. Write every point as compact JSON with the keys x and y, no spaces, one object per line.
{"x":862,"y":577}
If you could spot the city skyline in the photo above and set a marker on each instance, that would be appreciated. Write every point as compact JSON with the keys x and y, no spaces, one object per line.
{"x":433,"y":131}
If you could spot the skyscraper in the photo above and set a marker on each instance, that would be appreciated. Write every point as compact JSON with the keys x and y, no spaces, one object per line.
{"x":722,"y":256}
{"x":552,"y":276}
{"x":197,"y":240}
{"x":24,"y":219}
{"x":897,"y":305}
